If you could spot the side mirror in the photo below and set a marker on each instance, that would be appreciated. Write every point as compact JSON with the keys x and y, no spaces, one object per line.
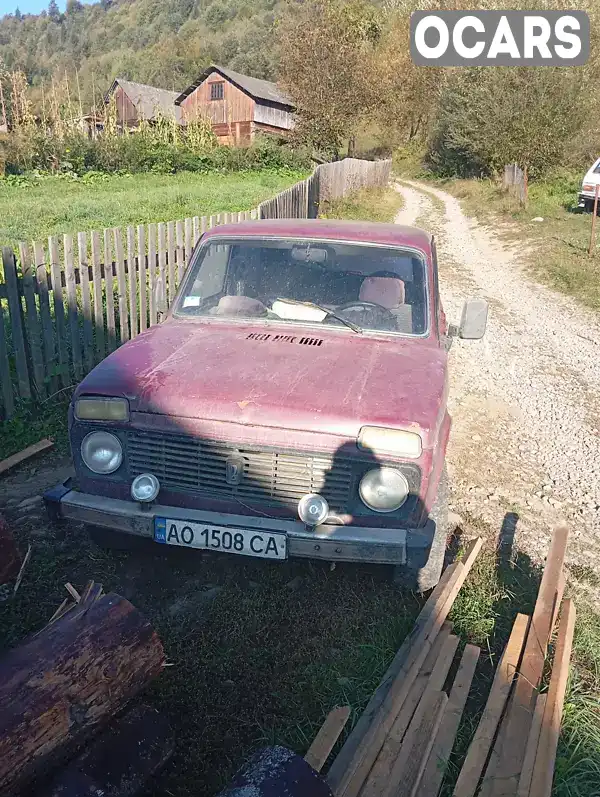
{"x":473,"y":320}
{"x":160,"y":298}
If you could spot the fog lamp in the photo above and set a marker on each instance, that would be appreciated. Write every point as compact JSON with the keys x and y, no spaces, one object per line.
{"x":313,"y":509}
{"x":145,"y":487}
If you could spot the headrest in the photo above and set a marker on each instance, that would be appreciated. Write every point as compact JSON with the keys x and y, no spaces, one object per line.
{"x":240,"y":306}
{"x":387,"y":292}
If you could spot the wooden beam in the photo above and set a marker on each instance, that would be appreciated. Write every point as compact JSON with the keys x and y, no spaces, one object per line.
{"x":543,"y":771}
{"x":532,"y":746}
{"x":326,"y":738}
{"x":511,"y":751}
{"x":418,"y":742}
{"x":480,"y":746}
{"x":16,"y":459}
{"x":348,"y":780}
{"x":437,"y":763}
{"x":380,"y":774}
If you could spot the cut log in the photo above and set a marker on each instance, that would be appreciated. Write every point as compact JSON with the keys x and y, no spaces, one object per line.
{"x":543,"y":771}
{"x":328,"y":734}
{"x":380,"y":774}
{"x":10,"y":558}
{"x":118,"y":762}
{"x":437,"y":763}
{"x":472,"y":768}
{"x":517,"y":723}
{"x":350,"y":780}
{"x":62,"y":684}
{"x":532,"y":746}
{"x":416,"y":747}
{"x":22,"y":456}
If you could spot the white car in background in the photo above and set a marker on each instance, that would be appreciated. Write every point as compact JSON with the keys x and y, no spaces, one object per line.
{"x":588,"y":187}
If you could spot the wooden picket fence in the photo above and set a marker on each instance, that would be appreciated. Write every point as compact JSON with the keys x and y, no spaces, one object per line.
{"x":66,"y":305}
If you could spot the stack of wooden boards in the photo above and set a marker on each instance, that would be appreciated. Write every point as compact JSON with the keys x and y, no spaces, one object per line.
{"x":402,"y":742}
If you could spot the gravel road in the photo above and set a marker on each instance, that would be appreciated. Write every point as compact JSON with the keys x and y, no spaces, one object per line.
{"x":525,"y":400}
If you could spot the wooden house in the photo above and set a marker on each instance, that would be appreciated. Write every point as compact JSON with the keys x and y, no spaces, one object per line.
{"x":136,"y":101}
{"x":239,"y":106}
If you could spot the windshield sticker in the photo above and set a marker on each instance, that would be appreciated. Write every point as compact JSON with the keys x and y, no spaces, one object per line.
{"x":191,"y":301}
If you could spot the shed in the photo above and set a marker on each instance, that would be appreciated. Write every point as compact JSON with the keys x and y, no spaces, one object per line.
{"x":137,"y":101}
{"x":238,"y":105}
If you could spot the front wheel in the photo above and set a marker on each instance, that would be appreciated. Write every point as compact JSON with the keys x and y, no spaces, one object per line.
{"x":423,"y":568}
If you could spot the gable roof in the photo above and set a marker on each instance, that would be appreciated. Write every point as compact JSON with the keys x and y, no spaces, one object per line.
{"x":148,"y":100}
{"x":260,"y":90}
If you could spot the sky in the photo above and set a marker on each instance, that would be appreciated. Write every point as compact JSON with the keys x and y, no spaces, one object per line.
{"x":28,"y":6}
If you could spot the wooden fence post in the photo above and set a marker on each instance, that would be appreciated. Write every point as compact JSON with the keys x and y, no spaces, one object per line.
{"x":72,"y":313}
{"x":59,"y":310}
{"x":33,"y":338}
{"x":98,"y":304}
{"x":121,"y":285}
{"x":110,"y":293}
{"x":132,"y":277}
{"x":171,"y":259}
{"x":5,"y":380}
{"x":86,"y":306}
{"x":152,"y":272}
{"x":143,"y":277}
{"x":41,"y":272}
{"x":15,"y":311}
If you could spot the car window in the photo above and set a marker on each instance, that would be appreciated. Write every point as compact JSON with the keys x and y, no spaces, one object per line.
{"x":597,"y":168}
{"x":297,"y":281}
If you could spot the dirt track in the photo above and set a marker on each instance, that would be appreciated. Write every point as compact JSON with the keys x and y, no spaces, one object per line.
{"x":525,"y":400}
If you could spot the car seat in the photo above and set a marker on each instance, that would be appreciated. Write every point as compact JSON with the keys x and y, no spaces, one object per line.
{"x":388,"y":292}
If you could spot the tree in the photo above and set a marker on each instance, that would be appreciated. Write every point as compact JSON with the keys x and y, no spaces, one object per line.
{"x":54,"y":11}
{"x":18,"y":14}
{"x":73,"y":6}
{"x":326,"y":65}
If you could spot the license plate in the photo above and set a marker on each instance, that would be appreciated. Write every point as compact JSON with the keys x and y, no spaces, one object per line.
{"x":220,"y":538}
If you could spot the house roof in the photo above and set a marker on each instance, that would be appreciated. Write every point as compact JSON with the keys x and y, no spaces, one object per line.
{"x":260,"y":90}
{"x":148,"y":100}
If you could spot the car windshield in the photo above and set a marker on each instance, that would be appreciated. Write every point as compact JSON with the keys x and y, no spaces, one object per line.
{"x":358,"y":286}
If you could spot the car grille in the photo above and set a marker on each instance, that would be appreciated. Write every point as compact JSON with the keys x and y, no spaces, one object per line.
{"x":269,"y":477}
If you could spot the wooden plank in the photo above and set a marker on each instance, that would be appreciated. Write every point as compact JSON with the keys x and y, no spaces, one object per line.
{"x":32,"y":321}
{"x":349,"y":779}
{"x":437,"y":763}
{"x":162,"y":257}
{"x":86,"y":305}
{"x":143,"y":277}
{"x":98,"y":296}
{"x":72,"y":313}
{"x":543,"y":771}
{"x":326,"y":738}
{"x":348,"y":751}
{"x":196,"y":226}
{"x":5,"y":378}
{"x":121,"y":284}
{"x":380,"y":774}
{"x":532,"y":747}
{"x":152,"y":273}
{"x":212,"y":222}
{"x":418,"y":742}
{"x":132,"y":277}
{"x":41,"y":273}
{"x":22,"y":456}
{"x":188,"y":246}
{"x":203,"y":225}
{"x":560,"y":591}
{"x":15,"y":313}
{"x":179,"y":251}
{"x":511,"y":751}
{"x":111,"y":335}
{"x":472,"y":768}
{"x":59,"y":311}
{"x":171,"y":260}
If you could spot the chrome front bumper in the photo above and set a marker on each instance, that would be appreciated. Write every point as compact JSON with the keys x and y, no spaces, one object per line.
{"x":333,"y":543}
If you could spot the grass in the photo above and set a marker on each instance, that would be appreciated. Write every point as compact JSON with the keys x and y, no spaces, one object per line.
{"x":54,"y":206}
{"x":368,"y":204}
{"x":31,"y":423}
{"x":557,"y":247}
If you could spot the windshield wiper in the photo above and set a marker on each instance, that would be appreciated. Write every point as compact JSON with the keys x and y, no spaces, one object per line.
{"x":354,"y":327}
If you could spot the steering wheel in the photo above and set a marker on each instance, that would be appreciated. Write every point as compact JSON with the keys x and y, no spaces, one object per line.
{"x":378,"y":315}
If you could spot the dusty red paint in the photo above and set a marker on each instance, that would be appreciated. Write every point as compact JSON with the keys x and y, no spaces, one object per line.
{"x":254,"y":384}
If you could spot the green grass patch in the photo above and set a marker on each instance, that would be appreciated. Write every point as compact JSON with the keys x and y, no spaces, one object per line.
{"x":559,"y":257}
{"x":33,"y":210}
{"x":31,"y":423}
{"x":368,"y":204}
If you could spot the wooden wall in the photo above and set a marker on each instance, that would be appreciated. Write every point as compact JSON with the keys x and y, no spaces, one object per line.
{"x":272,"y":116}
{"x":234,"y":107}
{"x":126,"y":110}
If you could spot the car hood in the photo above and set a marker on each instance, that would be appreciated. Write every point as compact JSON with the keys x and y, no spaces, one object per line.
{"x":330,"y":381}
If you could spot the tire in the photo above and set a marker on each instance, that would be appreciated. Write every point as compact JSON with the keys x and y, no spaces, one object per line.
{"x":424,"y":566}
{"x":116,"y":540}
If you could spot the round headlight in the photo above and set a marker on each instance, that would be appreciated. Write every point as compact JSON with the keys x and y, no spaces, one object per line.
{"x":313,"y":509}
{"x":383,"y":489}
{"x":145,"y":487}
{"x":101,"y":452}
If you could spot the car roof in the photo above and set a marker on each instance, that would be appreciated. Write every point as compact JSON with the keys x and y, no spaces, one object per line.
{"x":330,"y":229}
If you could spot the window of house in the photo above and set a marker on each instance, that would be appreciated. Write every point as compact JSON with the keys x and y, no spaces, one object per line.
{"x":216,"y":91}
